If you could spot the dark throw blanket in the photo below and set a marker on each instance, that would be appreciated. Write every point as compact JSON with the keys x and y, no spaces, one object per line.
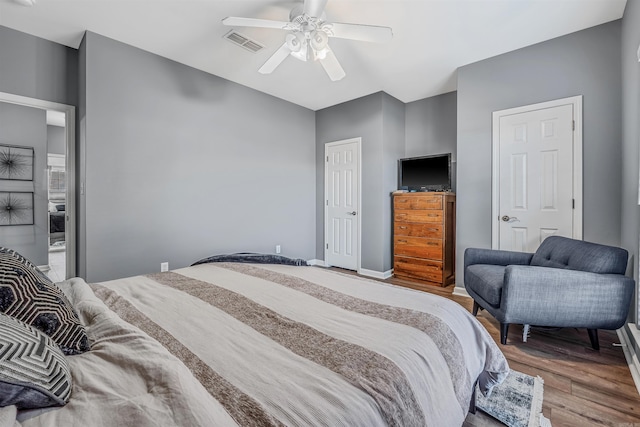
{"x":253,"y":258}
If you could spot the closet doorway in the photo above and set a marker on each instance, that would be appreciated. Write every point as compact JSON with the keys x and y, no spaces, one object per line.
{"x":54,"y":192}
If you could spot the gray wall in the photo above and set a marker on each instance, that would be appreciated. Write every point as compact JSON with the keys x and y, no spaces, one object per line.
{"x":37,"y":68}
{"x":390,"y":130}
{"x":27,"y":127}
{"x":631,"y":137}
{"x":431,"y":126}
{"x":362,"y":118}
{"x":181,"y":165}
{"x":583,"y":63}
{"x":56,"y":140}
{"x":393,"y":147}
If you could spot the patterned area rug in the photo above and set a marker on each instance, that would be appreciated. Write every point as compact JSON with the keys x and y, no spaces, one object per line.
{"x":517,"y":402}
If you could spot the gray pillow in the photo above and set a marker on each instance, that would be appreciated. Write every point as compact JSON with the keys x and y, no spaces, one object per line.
{"x":33,"y":371}
{"x":30,"y":296}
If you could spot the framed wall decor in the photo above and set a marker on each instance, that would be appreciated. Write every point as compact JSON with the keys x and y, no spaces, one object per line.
{"x":16,"y":208}
{"x":16,"y":163}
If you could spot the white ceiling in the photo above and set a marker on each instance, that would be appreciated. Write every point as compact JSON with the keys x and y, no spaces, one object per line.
{"x":432,"y":38}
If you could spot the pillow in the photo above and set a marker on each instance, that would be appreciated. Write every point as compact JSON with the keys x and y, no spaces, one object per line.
{"x":30,"y":296}
{"x":33,"y":371}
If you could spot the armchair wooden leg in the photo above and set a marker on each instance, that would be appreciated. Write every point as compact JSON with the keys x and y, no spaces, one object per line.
{"x":593,"y":337}
{"x":504,"y":330}
{"x":476,"y":306}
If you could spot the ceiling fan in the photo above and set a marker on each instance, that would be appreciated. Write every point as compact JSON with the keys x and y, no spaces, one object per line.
{"x":309,"y":34}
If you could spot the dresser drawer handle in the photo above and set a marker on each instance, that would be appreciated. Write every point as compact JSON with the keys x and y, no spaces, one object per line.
{"x":432,"y":215}
{"x":402,"y":228}
{"x":402,"y":241}
{"x":432,"y":244}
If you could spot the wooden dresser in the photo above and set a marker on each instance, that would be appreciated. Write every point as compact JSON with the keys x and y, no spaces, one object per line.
{"x":424,"y":237}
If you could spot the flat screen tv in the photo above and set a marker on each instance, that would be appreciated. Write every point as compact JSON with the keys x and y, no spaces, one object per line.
{"x":428,"y":173}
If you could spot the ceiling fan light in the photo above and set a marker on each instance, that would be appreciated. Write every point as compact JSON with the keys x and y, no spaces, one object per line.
{"x":319,"y":40}
{"x":301,"y":55}
{"x":294,"y":42}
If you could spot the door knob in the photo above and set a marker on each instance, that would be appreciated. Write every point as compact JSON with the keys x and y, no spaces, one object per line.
{"x":351,"y":213}
{"x":507,"y":218}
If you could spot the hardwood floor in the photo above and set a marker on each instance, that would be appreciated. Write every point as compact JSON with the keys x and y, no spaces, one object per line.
{"x":582,"y":387}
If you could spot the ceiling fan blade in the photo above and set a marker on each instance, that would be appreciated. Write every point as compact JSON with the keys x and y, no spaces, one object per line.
{"x":275,"y":60}
{"x":314,"y":8}
{"x":27,"y":3}
{"x":367,"y":33}
{"x":332,"y":66}
{"x":234,"y":21}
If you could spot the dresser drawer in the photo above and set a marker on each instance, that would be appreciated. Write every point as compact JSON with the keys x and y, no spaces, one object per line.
{"x":422,"y":216}
{"x":419,"y":247}
{"x":414,"y":268}
{"x":433,"y":231}
{"x":413,"y":202}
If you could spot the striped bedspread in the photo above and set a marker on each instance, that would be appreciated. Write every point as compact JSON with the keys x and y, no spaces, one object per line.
{"x":271,"y":345}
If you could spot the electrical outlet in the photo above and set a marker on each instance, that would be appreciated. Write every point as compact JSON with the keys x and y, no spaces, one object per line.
{"x":277,"y":249}
{"x":164,"y":266}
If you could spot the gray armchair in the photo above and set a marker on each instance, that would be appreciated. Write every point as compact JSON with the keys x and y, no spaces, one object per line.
{"x":565,"y":283}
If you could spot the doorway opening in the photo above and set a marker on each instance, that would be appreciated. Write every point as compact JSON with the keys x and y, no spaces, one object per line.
{"x":55,"y":191}
{"x":56,"y":194}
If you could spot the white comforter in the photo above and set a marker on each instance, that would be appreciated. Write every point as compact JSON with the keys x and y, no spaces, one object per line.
{"x":238,"y":344}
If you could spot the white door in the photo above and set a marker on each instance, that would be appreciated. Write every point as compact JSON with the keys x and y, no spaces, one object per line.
{"x":536,"y":177}
{"x":342,"y":201}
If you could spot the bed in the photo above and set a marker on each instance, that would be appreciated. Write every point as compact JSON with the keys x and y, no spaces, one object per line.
{"x":243,"y":344}
{"x":57,"y":219}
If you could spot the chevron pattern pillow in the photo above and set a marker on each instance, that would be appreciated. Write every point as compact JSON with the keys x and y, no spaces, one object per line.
{"x":33,"y":371}
{"x":30,"y":296}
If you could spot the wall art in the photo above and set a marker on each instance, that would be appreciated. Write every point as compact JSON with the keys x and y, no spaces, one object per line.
{"x":16,"y":163}
{"x":16,"y":208}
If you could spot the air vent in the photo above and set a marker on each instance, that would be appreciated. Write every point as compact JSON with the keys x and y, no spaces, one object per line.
{"x":243,"y":41}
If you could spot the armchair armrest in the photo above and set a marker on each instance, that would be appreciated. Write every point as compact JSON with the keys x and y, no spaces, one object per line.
{"x":545,"y":296}
{"x":495,"y":257}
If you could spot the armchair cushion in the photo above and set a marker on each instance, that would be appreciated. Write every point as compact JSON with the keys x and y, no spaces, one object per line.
{"x":486,"y":280}
{"x":558,"y":297}
{"x":562,"y":252}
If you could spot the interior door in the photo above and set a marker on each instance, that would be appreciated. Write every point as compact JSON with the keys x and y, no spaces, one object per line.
{"x":342,"y":201}
{"x":536,"y":176}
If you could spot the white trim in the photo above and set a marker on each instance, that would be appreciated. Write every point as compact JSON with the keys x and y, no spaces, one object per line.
{"x":70,"y":132}
{"x":358,"y":141}
{"x":376,"y":274}
{"x":318,"y":262}
{"x":576,"y":102}
{"x":460,"y":291}
{"x":629,"y":351}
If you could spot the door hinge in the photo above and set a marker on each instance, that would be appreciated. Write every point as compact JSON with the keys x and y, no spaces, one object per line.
{"x":327,"y":159}
{"x":327,"y":246}
{"x":573,"y":203}
{"x":327,"y":203}
{"x":573,"y":125}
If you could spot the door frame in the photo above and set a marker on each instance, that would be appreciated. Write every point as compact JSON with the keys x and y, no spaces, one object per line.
{"x":358,"y":141}
{"x":70,"y":148}
{"x":576,"y":102}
